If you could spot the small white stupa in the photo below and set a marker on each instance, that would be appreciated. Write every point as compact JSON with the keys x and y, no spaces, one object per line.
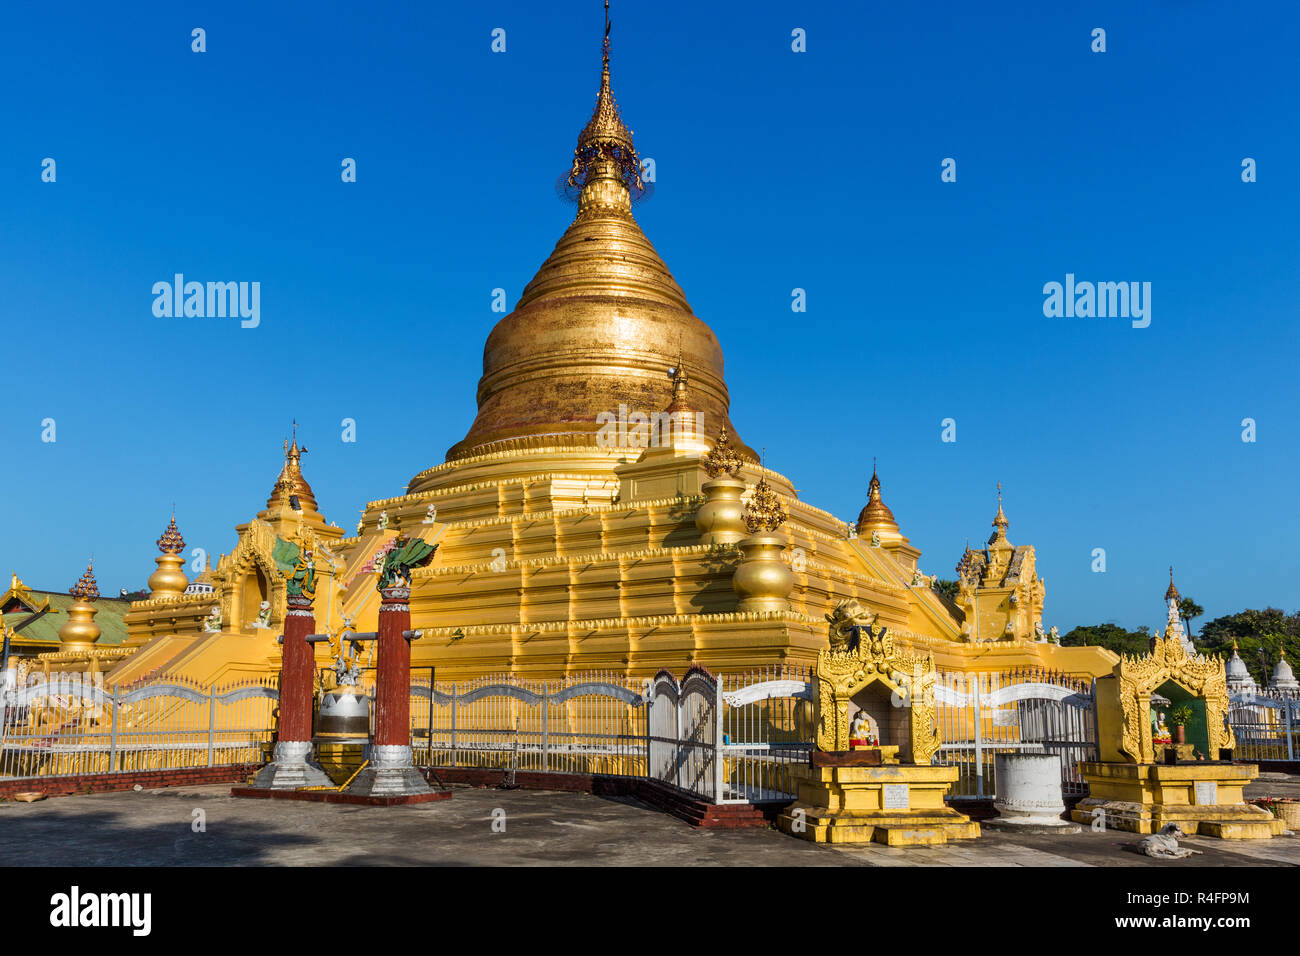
{"x":1240,"y":683}
{"x":1283,"y":680}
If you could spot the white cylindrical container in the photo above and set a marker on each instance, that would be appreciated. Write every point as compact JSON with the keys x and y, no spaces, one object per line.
{"x":1029,"y":790}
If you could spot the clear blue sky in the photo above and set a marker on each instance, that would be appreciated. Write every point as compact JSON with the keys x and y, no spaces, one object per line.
{"x":776,"y":170}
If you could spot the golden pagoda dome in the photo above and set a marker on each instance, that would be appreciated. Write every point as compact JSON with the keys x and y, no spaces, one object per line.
{"x":80,"y":631}
{"x":599,"y":325}
{"x":876,"y":516}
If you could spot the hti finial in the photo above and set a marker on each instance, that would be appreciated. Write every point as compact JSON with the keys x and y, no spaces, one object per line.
{"x":605,"y":58}
{"x":605,"y":142}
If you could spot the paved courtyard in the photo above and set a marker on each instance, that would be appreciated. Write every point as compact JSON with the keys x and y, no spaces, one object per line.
{"x":155,"y":827}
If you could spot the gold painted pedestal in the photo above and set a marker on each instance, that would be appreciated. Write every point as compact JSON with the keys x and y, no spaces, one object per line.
{"x":897,"y":805}
{"x":1142,"y":798}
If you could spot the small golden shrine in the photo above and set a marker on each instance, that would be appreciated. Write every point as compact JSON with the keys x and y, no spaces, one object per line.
{"x":870,"y":777}
{"x":1144,"y":781}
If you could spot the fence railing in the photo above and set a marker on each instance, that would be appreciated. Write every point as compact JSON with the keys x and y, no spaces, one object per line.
{"x":728,"y":739}
{"x":590,"y":723}
{"x":69,"y":725}
{"x":1023,"y":710}
{"x":1265,"y":728}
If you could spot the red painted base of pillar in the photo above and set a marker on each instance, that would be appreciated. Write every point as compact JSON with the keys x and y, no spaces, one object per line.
{"x":339,"y":796}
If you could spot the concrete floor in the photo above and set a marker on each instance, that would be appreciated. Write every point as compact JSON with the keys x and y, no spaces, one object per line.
{"x":154,"y":827}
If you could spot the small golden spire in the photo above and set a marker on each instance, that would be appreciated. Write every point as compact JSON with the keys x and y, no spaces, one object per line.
{"x":722,"y":458}
{"x":86,"y":589}
{"x":875,"y":516}
{"x":290,"y":481}
{"x":1171,"y":593}
{"x":763,"y":513}
{"x":679,"y":379}
{"x":1000,"y":519}
{"x":171,"y":541}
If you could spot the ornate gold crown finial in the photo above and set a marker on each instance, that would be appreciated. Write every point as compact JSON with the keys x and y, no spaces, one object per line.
{"x":764,"y":512}
{"x":722,"y":458}
{"x":1171,"y":593}
{"x":1000,"y":519}
{"x":86,"y":589}
{"x":171,"y":541}
{"x":605,"y":138}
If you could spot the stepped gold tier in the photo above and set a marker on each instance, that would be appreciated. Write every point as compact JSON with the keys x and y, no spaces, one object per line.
{"x":1200,"y":798}
{"x":596,"y":514}
{"x":893,"y":805}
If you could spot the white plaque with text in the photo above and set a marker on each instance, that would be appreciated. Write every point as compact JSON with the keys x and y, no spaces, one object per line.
{"x":1207,"y":793}
{"x":894,"y":796}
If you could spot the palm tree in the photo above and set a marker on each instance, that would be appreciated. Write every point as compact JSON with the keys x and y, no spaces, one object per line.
{"x":1187,"y":610}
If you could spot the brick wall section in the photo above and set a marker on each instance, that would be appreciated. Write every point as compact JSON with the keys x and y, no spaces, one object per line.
{"x":148,"y":779}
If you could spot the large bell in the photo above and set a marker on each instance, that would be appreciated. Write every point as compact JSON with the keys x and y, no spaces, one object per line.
{"x":344,"y":716}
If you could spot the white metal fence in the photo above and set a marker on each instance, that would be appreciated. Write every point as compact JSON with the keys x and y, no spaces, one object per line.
{"x":724,"y":740}
{"x":70,"y":724}
{"x":1028,"y":710}
{"x":590,"y":723}
{"x":729,"y":739}
{"x":1265,"y":728}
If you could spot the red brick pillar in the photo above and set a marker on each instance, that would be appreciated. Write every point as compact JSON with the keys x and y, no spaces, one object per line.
{"x":292,"y":765}
{"x":390,"y":771}
{"x":297,"y":670}
{"x":393,"y":681}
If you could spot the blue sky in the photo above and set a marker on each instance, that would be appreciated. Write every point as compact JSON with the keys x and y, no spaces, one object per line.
{"x":776,"y":170}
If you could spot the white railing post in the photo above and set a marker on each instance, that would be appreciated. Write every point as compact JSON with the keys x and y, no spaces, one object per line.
{"x":977,"y":700}
{"x":112,"y":740}
{"x":649,"y":724}
{"x":212,"y":723}
{"x":717,"y":741}
{"x":1290,"y":744}
{"x":677,"y":735}
{"x":453,"y":726}
{"x":545,"y":735}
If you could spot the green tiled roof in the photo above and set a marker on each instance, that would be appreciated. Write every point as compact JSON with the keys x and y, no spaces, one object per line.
{"x":46,"y":630}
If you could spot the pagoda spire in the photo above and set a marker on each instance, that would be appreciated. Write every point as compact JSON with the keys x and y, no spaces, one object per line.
{"x":290,"y":483}
{"x":605,"y":149}
{"x":1000,"y":524}
{"x":1171,"y":593}
{"x":875,"y":515}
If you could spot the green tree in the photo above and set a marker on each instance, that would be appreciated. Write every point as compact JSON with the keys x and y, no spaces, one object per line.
{"x":1260,"y":636}
{"x":1187,"y":610}
{"x":947,"y":588}
{"x":1110,"y":636}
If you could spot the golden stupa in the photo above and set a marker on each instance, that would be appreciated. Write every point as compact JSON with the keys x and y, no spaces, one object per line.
{"x":565,"y":544}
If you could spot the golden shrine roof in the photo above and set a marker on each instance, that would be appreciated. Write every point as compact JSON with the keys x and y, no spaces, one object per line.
{"x":875,"y":516}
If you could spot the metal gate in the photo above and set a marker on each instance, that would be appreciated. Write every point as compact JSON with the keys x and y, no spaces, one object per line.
{"x":982,"y":714}
{"x":683,"y":732}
